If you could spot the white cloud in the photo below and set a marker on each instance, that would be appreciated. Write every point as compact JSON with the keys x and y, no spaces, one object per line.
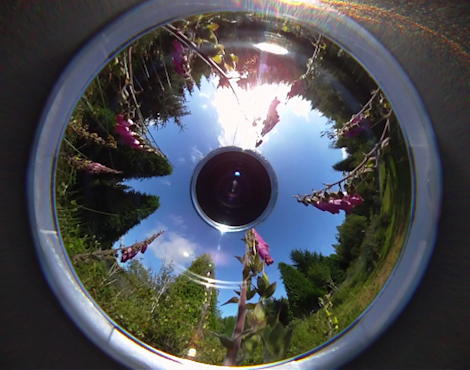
{"x":166,"y":182}
{"x":344,"y":153}
{"x":174,"y":248}
{"x":177,"y":221}
{"x":299,"y":107}
{"x":196,"y":155}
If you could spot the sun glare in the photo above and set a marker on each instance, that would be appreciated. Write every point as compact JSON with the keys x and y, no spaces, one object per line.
{"x":269,"y":47}
{"x":242,"y":123}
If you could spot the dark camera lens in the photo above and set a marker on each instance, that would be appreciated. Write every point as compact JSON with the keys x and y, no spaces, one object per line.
{"x":232,"y":187}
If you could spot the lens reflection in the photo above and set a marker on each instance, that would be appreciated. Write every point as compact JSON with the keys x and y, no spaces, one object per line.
{"x":233,"y":122}
{"x":233,"y":188}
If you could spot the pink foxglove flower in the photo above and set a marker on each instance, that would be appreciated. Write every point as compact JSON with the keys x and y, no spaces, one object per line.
{"x":262,"y":248}
{"x":127,"y":136}
{"x":355,"y":199}
{"x":349,"y":202}
{"x":346,"y":205}
{"x":328,"y":206}
{"x":272,"y":118}
{"x":94,"y":168}
{"x":356,"y":126}
{"x":130,"y":252}
{"x":179,"y":58}
{"x":333,"y":203}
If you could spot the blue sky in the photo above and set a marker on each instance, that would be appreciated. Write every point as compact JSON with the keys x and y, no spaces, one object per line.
{"x":301,"y":159}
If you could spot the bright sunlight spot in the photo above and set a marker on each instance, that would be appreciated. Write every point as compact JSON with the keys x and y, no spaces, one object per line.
{"x":192,"y":352}
{"x":242,"y":122}
{"x":271,"y":48}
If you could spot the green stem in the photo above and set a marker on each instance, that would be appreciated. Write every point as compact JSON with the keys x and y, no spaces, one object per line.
{"x":99,"y":212}
{"x":74,"y":148}
{"x":366,"y":158}
{"x":108,"y":253}
{"x":232,"y":352}
{"x":100,"y":89}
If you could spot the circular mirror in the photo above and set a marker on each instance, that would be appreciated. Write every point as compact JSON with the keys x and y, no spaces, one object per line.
{"x":235,"y":188}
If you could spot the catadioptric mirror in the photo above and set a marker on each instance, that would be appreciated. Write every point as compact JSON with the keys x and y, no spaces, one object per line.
{"x":235,"y":188}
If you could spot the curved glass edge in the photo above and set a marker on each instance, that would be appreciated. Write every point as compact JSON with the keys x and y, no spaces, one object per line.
{"x":349,"y":35}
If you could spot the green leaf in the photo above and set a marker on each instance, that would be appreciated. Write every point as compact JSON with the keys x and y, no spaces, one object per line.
{"x":234,"y":58}
{"x":250,"y":294}
{"x":249,"y":333}
{"x":249,"y":346}
{"x":371,"y":162}
{"x":265,"y":278}
{"x":246,"y":272}
{"x":213,"y":26}
{"x":261,"y":285}
{"x":256,"y":317}
{"x":231,"y":300}
{"x":213,"y":37}
{"x":251,"y":340}
{"x":269,"y":290}
{"x":257,"y":265}
{"x":250,"y":306}
{"x":217,"y":58}
{"x":258,"y":312}
{"x":276,"y":339}
{"x":226,"y":341}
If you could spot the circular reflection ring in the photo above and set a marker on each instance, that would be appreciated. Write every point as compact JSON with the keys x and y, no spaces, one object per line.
{"x":378,"y":62}
{"x":250,"y":156}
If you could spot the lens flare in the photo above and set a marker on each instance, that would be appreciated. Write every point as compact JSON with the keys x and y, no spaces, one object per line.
{"x":272,"y":48}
